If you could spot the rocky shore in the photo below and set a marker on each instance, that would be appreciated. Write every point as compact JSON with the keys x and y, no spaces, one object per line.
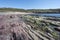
{"x":23,"y":27}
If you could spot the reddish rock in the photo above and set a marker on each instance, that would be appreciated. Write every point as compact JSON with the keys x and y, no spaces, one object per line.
{"x":12,"y":29}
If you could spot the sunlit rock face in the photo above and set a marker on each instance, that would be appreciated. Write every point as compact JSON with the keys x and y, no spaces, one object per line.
{"x":12,"y":27}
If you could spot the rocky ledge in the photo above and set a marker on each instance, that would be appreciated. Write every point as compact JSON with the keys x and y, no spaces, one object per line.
{"x":13,"y":27}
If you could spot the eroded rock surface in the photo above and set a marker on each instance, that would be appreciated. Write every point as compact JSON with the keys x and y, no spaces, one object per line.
{"x":12,"y":27}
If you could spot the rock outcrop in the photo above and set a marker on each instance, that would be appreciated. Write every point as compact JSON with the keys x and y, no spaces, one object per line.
{"x":12,"y":27}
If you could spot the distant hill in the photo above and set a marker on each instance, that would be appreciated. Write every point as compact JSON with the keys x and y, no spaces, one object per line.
{"x":11,"y":9}
{"x":30,"y":10}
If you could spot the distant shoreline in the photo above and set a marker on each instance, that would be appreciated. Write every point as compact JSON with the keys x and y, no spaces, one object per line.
{"x":30,"y":10}
{"x":10,"y":12}
{"x":15,"y":13}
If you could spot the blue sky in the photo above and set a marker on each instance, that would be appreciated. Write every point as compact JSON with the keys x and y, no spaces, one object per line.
{"x":30,"y":4}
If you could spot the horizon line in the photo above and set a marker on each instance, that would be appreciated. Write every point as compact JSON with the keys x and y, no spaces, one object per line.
{"x":29,"y":8}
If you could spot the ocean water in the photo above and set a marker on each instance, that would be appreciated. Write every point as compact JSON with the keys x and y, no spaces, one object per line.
{"x":47,"y":14}
{"x":56,"y":15}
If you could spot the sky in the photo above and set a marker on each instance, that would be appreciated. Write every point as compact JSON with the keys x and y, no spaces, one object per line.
{"x":30,"y":4}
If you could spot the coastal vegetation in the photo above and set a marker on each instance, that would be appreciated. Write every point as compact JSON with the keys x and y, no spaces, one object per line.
{"x":30,"y":10}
